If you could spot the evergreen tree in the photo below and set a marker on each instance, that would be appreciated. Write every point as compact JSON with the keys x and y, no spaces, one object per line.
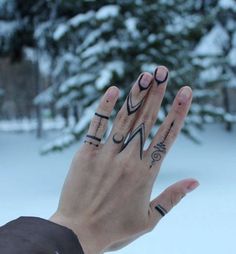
{"x":91,"y":45}
{"x":216,"y":54}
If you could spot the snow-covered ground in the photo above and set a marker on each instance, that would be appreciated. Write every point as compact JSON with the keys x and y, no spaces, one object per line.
{"x":204,"y":222}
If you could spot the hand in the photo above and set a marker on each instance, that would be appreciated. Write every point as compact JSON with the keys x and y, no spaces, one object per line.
{"x":106,"y":196}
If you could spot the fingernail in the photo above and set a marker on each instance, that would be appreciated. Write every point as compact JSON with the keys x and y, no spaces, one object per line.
{"x":161,"y":74}
{"x":192,"y":186}
{"x":185,"y":94}
{"x":144,"y":81}
{"x":112,"y":92}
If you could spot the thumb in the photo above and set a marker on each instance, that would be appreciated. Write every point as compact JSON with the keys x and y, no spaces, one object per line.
{"x":170,"y":197}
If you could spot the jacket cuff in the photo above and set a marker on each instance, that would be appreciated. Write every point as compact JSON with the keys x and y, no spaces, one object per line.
{"x":35,"y":235}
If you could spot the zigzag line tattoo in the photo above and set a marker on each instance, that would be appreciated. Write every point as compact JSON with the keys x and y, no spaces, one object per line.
{"x":140,"y":130}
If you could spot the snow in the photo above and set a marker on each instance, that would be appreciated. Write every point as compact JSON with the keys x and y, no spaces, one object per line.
{"x":61,"y":30}
{"x":204,"y":221}
{"x":46,"y":97}
{"x":108,"y":11}
{"x":75,"y":81}
{"x":26,"y":125}
{"x":81,"y":18}
{"x":214,"y":42}
{"x":107,"y":73}
{"x":232,"y":57}
{"x":228,"y":4}
{"x":7,"y":28}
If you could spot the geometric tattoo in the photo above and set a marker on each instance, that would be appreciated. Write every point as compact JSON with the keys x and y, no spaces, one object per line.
{"x":94,"y":135}
{"x":91,"y":143}
{"x":141,"y":87}
{"x":160,"y":148}
{"x":102,"y":116}
{"x":118,"y":138}
{"x":141,"y":131}
{"x":161,"y":210}
{"x":159,"y":82}
{"x":133,"y":108}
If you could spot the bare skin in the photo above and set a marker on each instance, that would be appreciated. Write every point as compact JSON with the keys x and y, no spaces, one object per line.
{"x":106,"y":196}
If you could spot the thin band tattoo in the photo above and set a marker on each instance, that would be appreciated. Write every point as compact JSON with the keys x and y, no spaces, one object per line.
{"x":93,"y":137}
{"x":160,"y":148}
{"x":91,"y":143}
{"x":102,"y":116}
{"x":161,"y":210}
{"x":118,"y":138}
{"x":159,"y":82}
{"x":133,"y":108}
{"x":140,"y":81}
{"x":140,"y":130}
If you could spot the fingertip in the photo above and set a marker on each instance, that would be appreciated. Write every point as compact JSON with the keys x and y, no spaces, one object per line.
{"x":161,"y":74}
{"x":192,"y":184}
{"x":113,"y":92}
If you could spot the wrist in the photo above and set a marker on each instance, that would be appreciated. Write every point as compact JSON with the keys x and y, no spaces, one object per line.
{"x":90,"y":241}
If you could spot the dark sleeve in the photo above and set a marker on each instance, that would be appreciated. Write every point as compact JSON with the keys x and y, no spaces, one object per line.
{"x":31,"y":235}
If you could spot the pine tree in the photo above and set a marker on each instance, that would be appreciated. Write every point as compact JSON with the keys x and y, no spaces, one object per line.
{"x":114,"y":43}
{"x":91,"y":45}
{"x":216,"y":53}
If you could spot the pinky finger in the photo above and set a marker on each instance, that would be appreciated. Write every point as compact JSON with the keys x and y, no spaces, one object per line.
{"x":99,"y":122}
{"x":170,"y":197}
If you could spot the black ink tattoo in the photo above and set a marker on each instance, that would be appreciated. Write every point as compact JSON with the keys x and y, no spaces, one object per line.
{"x":132,"y":108}
{"x":91,"y":143}
{"x":141,"y":131}
{"x":157,"y":154}
{"x":93,"y":137}
{"x":161,"y":210}
{"x":118,"y":138}
{"x":168,"y":132}
{"x":160,"y":148}
{"x":159,"y":82}
{"x":140,"y":84}
{"x":102,"y":116}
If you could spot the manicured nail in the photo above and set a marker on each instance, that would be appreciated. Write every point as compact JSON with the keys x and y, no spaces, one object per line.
{"x":161,"y":75}
{"x":185,"y":94}
{"x":192,"y":186}
{"x":144,"y":81}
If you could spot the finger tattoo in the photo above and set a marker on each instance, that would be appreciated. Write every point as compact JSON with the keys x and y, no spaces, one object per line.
{"x":102,"y":116}
{"x":131,"y":108}
{"x":118,"y":138}
{"x":93,"y":137}
{"x":161,"y":210}
{"x":91,"y":143}
{"x":159,"y":81}
{"x":143,"y":84}
{"x":160,"y":148}
{"x":140,"y":130}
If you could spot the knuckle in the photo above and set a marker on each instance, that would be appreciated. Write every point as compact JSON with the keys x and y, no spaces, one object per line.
{"x":149,"y":119}
{"x":122,"y":119}
{"x":175,"y":197}
{"x":179,"y":111}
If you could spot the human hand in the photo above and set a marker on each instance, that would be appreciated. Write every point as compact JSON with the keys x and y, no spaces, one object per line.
{"x":106,"y":196}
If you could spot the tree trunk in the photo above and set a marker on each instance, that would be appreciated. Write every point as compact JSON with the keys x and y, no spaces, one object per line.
{"x":38,"y":107}
{"x":226,"y":103}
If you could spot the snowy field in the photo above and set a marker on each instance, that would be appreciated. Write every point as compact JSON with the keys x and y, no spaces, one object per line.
{"x":204,"y":222}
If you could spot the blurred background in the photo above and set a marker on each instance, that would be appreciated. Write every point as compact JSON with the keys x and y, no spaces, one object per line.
{"x":57,"y":57}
